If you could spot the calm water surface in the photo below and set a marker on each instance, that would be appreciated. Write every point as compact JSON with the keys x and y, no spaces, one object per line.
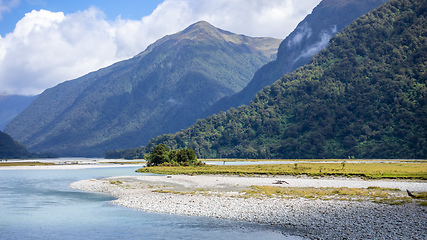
{"x":38,"y":204}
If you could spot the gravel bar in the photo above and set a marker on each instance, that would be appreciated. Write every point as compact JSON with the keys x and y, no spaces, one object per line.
{"x":313,"y":219}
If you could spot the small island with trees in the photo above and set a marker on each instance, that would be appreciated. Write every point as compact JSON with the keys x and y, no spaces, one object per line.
{"x":162,"y":155}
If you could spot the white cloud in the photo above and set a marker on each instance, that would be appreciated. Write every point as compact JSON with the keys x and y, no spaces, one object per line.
{"x":322,"y":43}
{"x":302,"y":32}
{"x":47,"y":48}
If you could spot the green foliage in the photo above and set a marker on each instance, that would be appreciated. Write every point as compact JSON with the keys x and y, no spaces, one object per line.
{"x":365,"y":96}
{"x":309,"y":37}
{"x":161,"y":155}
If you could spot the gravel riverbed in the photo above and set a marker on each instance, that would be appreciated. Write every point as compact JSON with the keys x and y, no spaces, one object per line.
{"x":313,"y":219}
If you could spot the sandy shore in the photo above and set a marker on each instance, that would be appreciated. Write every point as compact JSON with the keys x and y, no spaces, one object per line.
{"x":315,"y":219}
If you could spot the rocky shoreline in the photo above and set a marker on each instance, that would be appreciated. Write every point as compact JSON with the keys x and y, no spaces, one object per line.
{"x":313,"y":219}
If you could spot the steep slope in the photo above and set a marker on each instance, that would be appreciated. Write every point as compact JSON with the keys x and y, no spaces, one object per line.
{"x":12,"y":105}
{"x":10,"y":148}
{"x":364,"y":96}
{"x":309,"y":37}
{"x":161,"y":90}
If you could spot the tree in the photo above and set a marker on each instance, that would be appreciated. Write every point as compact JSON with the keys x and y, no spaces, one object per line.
{"x":159,"y":155}
{"x":186,"y":155}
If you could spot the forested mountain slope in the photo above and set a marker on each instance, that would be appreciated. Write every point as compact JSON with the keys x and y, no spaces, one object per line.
{"x":10,"y":148}
{"x":161,"y":90}
{"x":309,"y":37}
{"x":364,"y":96}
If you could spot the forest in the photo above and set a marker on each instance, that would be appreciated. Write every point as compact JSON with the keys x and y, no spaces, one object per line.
{"x":364,"y":96}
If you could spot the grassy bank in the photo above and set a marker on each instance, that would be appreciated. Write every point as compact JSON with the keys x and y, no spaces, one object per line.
{"x":16,"y":164}
{"x":373,"y":194}
{"x":370,"y":170}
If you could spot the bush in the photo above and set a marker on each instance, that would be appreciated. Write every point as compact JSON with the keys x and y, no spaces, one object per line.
{"x":161,"y":155}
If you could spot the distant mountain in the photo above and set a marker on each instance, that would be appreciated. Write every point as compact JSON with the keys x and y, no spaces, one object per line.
{"x":161,"y":90}
{"x":365,"y":96}
{"x":12,"y":105}
{"x":309,"y":37}
{"x":10,"y":148}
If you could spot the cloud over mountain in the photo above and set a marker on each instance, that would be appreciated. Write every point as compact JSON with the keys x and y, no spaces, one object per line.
{"x":47,"y":48}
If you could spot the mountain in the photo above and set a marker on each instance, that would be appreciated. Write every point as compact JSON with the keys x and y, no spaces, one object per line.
{"x":12,"y":105}
{"x":10,"y":148}
{"x":309,"y":37}
{"x":364,"y":96}
{"x":161,"y":90}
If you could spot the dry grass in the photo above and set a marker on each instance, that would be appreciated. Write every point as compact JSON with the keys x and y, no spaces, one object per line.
{"x":118,"y":182}
{"x":374,"y":194}
{"x":17,"y":164}
{"x":369,"y":170}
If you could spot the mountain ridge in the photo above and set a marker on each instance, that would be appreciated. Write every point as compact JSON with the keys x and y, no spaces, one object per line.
{"x":12,"y":105}
{"x":160,"y":90}
{"x":309,"y":37}
{"x":364,"y":96}
{"x":11,"y":149}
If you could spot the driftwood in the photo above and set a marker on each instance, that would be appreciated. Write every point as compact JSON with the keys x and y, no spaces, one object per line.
{"x":410,"y":194}
{"x":280,"y":182}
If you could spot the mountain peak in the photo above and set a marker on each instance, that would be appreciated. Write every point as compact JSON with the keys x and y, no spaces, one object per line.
{"x":201,"y":23}
{"x":363,"y":96}
{"x":202,"y":30}
{"x":161,"y":90}
{"x":199,"y":26}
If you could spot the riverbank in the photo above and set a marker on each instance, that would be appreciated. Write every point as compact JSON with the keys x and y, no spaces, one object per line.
{"x":67,"y":163}
{"x":224,"y":197}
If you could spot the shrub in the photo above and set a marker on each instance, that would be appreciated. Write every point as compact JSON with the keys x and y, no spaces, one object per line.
{"x":161,"y":155}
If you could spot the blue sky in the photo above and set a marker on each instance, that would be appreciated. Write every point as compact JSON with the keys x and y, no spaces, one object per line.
{"x":128,"y":9}
{"x":46,"y":42}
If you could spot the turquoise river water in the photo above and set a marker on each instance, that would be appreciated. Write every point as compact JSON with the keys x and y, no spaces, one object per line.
{"x":38,"y":204}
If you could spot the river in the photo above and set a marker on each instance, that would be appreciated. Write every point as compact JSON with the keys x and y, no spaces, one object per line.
{"x":38,"y":204}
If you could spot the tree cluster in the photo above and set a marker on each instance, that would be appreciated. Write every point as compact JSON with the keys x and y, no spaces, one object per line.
{"x":162,"y":155}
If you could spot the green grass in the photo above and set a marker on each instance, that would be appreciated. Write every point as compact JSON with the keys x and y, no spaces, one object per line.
{"x":16,"y":164}
{"x":307,"y":160}
{"x":369,"y":170}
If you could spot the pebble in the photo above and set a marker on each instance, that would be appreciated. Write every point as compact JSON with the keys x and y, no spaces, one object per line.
{"x":313,"y":219}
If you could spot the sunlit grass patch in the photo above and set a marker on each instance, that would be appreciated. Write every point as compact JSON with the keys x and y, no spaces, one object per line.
{"x":373,"y":194}
{"x":168,"y":191}
{"x":368,"y":170}
{"x":17,"y":164}
{"x":192,"y":192}
{"x":118,"y":182}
